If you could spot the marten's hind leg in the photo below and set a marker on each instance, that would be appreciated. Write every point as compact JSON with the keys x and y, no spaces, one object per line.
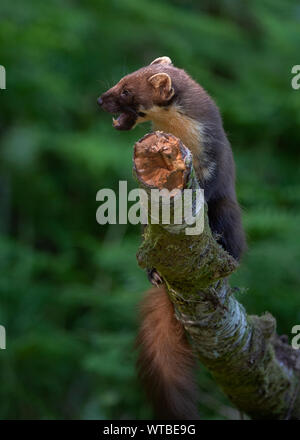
{"x":152,"y":274}
{"x":154,"y":277}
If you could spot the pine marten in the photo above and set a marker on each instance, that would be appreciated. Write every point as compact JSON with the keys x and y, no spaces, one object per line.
{"x":176,"y":104}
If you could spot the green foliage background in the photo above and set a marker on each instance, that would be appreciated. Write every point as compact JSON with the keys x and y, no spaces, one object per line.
{"x":69,"y":288}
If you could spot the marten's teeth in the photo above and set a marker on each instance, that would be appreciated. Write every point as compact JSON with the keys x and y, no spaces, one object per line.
{"x":115,"y":122}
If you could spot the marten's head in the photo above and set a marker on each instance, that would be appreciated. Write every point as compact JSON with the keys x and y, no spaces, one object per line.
{"x":139,"y":92}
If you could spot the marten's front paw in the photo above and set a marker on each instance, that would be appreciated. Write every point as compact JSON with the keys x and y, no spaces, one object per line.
{"x":154,"y":277}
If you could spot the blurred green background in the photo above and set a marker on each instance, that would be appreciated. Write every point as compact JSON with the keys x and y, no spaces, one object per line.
{"x":69,"y":288}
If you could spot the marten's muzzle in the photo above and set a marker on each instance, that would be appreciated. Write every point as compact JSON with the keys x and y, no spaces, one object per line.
{"x":127,"y":115}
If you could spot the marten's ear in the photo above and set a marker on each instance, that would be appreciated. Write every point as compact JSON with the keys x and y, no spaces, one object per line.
{"x":163,"y":84}
{"x":162,"y":60}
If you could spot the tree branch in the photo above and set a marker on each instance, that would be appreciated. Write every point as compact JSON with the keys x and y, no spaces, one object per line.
{"x":255,"y":367}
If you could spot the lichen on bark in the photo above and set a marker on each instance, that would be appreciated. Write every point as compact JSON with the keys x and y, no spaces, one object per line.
{"x":256,"y":368}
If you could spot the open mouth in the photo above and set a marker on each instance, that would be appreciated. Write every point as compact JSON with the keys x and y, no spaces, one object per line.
{"x":125,"y":121}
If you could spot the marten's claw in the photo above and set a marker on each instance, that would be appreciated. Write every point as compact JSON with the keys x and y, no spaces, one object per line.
{"x":154,"y":277}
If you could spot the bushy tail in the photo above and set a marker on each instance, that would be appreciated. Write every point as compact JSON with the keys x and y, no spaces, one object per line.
{"x":166,"y":361}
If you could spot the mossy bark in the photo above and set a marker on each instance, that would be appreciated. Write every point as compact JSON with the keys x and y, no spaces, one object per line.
{"x":256,"y":368}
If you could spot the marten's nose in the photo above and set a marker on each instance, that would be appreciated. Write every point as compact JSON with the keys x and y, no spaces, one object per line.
{"x":100,"y":101}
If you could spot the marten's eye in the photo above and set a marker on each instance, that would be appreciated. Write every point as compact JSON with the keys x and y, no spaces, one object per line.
{"x":125,"y":92}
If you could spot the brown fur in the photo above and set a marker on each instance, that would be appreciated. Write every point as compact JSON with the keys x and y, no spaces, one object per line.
{"x":166,"y":360}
